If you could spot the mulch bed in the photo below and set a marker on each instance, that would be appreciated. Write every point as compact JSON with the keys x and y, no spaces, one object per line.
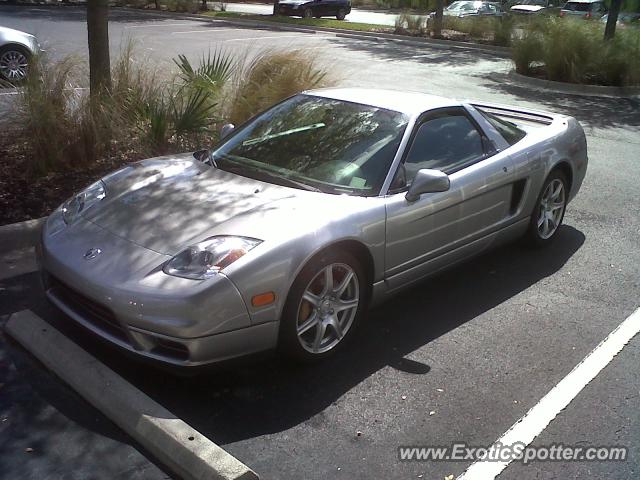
{"x":23,"y":197}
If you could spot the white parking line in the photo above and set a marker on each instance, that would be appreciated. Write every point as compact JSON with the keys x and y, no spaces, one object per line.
{"x":541,"y":414}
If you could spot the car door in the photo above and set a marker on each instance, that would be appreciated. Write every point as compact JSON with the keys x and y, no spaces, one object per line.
{"x":321,"y":8}
{"x":444,"y":227}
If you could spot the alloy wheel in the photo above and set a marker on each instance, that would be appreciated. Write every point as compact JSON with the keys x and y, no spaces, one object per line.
{"x":328,"y":308}
{"x":13,"y":65}
{"x":551,"y":208}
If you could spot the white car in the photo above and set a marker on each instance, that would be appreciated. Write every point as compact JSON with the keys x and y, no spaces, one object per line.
{"x":16,"y":51}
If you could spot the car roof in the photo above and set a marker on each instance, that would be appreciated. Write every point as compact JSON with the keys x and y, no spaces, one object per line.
{"x":585,"y":1}
{"x":410,"y":103}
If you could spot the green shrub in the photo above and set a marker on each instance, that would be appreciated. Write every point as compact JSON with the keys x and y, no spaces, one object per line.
{"x":414,"y":24}
{"x":527,"y":51}
{"x":148,"y":113}
{"x":574,"y":51}
{"x":55,"y":115}
{"x":494,"y":30}
{"x":270,"y":78}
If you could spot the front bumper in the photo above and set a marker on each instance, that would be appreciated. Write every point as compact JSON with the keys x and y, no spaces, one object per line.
{"x":124,"y":297}
{"x":288,"y":10}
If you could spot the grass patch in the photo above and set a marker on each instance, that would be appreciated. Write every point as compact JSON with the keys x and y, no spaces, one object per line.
{"x":310,"y":22}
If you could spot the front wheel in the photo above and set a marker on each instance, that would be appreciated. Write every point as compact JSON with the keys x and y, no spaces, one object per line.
{"x":14,"y":64}
{"x":324,"y":306}
{"x":307,"y":13}
{"x":549,"y":210}
{"x":342,"y":13}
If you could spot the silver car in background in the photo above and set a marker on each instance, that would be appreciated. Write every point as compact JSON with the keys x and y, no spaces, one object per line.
{"x":299,"y":220}
{"x":16,"y":51}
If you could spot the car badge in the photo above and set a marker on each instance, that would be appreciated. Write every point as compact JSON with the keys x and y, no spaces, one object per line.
{"x":92,"y":253}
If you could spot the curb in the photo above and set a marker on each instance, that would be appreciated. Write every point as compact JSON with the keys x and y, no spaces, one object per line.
{"x":573,"y":88}
{"x":20,"y":235}
{"x":420,"y":41}
{"x":180,"y":447}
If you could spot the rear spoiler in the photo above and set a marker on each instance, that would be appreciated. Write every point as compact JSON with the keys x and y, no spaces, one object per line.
{"x":523,"y":115}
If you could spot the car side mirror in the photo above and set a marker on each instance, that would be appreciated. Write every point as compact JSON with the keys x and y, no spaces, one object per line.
{"x":427,"y":181}
{"x":226,"y":129}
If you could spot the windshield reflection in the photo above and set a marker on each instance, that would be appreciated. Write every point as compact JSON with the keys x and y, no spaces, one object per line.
{"x":321,"y":143}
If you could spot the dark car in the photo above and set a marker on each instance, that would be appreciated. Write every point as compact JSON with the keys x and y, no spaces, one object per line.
{"x":313,"y":8}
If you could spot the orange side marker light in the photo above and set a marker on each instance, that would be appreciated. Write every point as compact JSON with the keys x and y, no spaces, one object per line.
{"x":263,"y":299}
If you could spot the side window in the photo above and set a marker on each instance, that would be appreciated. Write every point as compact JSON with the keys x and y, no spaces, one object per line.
{"x":445,"y":143}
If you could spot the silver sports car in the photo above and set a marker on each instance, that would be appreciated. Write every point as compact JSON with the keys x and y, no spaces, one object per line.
{"x":299,"y":220}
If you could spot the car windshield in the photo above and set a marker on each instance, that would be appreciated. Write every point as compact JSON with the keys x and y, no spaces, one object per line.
{"x":462,"y":6}
{"x":316,"y":143}
{"x":577,"y":6}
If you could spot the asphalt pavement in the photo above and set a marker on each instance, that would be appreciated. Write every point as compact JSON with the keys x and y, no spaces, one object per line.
{"x":458,"y":358}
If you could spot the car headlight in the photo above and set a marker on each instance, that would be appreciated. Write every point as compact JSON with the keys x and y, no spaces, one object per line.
{"x":203,"y":260}
{"x":82,"y":201}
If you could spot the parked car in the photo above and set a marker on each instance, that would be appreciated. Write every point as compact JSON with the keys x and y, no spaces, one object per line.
{"x":313,"y":8}
{"x":536,"y":7}
{"x":625,"y":19}
{"x":16,"y":50}
{"x":584,"y":9}
{"x":283,"y":234}
{"x":466,"y":8}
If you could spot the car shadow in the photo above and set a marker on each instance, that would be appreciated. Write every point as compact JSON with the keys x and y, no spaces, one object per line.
{"x":428,"y":54}
{"x":594,"y":111}
{"x":244,"y":400}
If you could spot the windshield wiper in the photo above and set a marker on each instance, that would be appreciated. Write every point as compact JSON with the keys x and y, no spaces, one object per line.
{"x":264,"y":138}
{"x":265,"y":174}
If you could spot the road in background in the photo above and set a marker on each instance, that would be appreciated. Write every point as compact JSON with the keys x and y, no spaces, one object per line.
{"x":356,"y":15}
{"x":460,"y":357}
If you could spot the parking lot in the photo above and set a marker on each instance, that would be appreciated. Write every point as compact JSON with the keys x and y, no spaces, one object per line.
{"x":458,"y":358}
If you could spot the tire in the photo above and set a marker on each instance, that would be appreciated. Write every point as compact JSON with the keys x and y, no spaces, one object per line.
{"x":548,"y":213}
{"x":342,"y":13}
{"x":307,"y":13}
{"x":14,"y":63}
{"x":312,"y":327}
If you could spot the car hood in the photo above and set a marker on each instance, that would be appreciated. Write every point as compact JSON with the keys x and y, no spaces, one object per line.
{"x":526,"y":8}
{"x":168,"y":203}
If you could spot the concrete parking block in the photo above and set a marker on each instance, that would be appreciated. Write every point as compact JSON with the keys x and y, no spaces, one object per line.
{"x":20,"y":235}
{"x":177,"y":445}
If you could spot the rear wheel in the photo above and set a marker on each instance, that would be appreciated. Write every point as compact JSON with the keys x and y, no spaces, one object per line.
{"x":549,"y":210}
{"x":324,"y":306}
{"x":14,"y":63}
{"x":342,"y":13}
{"x":307,"y":13}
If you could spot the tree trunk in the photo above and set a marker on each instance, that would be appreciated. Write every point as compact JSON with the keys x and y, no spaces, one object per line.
{"x":437,"y":21}
{"x":98,"y":30}
{"x":612,"y":19}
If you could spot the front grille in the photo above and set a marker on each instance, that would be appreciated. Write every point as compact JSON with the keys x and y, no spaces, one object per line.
{"x":96,"y":314}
